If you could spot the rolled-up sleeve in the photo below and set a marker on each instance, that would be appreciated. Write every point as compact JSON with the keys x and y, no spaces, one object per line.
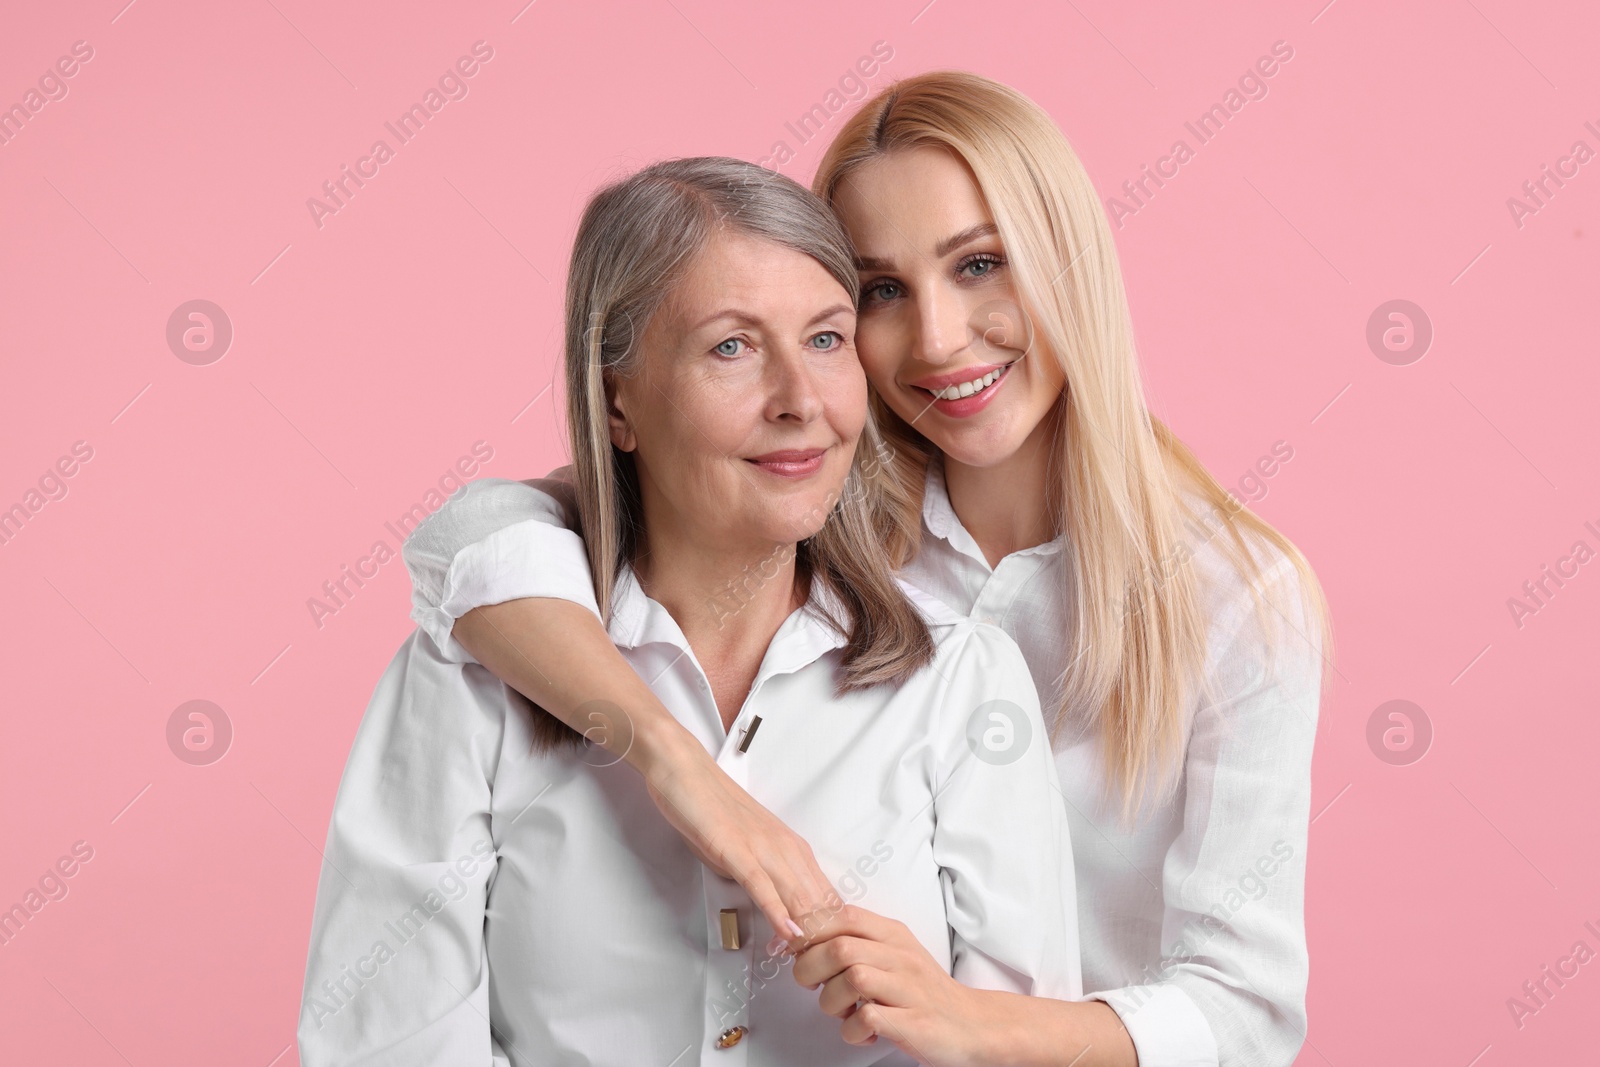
{"x":1230,"y":989}
{"x":1000,"y":837}
{"x":496,"y":540}
{"x":397,"y":971}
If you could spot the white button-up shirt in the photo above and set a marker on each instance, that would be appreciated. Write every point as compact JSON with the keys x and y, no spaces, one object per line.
{"x":482,"y":902}
{"x":1192,"y":920}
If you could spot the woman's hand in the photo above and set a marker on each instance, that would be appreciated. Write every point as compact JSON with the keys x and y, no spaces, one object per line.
{"x":878,"y":978}
{"x":737,"y":837}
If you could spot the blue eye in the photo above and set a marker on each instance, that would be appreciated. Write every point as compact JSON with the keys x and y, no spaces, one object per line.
{"x":834,"y":340}
{"x":983,"y":260}
{"x":724,"y":350}
{"x":879,"y":291}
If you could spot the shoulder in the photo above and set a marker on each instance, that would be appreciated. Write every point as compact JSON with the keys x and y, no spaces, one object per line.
{"x":955,"y":634}
{"x":1227,"y":592}
{"x":426,"y":702}
{"x":1260,"y":629}
{"x":970,"y":655}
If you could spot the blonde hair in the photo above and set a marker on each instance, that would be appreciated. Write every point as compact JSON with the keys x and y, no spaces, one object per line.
{"x":1136,"y":645}
{"x":637,"y":239}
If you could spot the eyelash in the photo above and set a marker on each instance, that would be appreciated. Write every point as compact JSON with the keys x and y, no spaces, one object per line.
{"x":839,"y":343}
{"x":976,"y":257}
{"x":980,"y":257}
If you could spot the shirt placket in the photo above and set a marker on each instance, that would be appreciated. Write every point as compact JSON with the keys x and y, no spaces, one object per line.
{"x":730,"y":941}
{"x":728,"y":973}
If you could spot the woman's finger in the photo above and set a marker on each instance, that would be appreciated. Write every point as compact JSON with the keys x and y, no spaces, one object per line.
{"x":862,"y":981}
{"x":822,"y":961}
{"x":873,"y":1021}
{"x":849,"y":920}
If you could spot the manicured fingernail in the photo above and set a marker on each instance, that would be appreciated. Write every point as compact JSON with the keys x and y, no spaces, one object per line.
{"x":777,"y":945}
{"x":794,"y":928}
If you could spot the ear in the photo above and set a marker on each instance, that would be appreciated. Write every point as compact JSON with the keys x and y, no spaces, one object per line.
{"x":617,"y":420}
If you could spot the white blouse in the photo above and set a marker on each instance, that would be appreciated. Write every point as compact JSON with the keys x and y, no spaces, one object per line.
{"x":484,"y":903}
{"x":1192,"y":921}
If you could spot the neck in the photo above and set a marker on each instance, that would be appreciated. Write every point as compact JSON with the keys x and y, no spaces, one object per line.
{"x":1007,"y":507}
{"x":729,"y":601}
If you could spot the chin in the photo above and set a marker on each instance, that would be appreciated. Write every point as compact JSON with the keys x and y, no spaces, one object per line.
{"x":979,"y":445}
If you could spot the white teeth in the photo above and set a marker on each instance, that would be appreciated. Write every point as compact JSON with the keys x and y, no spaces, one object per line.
{"x":956,"y":392}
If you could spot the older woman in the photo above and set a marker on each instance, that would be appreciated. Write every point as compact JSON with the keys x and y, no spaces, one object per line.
{"x":497,"y":891}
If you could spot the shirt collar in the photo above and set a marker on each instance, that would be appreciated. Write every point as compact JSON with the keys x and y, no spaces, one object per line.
{"x":940,"y":520}
{"x":938,"y":517}
{"x":804,"y":637}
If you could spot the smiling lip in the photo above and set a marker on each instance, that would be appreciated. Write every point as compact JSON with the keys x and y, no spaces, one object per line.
{"x":791,"y":462}
{"x":963,"y":406}
{"x":966,"y":374}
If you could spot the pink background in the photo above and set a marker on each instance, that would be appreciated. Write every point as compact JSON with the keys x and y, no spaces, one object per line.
{"x":372,"y":352}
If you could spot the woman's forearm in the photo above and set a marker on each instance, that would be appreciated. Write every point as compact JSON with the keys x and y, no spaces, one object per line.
{"x":558,"y":655}
{"x":1040,"y":1032}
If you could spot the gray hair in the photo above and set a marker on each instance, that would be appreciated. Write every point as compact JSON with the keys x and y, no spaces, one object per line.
{"x":640,"y":235}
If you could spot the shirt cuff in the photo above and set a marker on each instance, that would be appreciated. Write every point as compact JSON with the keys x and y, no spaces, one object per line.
{"x":525,"y":559}
{"x":1167,"y":1027}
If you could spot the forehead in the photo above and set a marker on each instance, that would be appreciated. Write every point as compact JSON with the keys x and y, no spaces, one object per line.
{"x":740,"y":270}
{"x":919,"y":194}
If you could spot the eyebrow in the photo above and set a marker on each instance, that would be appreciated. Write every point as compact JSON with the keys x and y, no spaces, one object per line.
{"x":940,"y":250}
{"x":837,"y":309}
{"x":740,"y":315}
{"x":971,"y":233}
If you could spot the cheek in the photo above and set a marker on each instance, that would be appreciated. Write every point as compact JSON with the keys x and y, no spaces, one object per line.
{"x":683,"y":434}
{"x":882,"y":344}
{"x":714,"y":414}
{"x":845,"y":398}
{"x":1046,"y":378}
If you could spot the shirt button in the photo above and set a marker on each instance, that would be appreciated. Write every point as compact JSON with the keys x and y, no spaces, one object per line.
{"x":731,"y":1036}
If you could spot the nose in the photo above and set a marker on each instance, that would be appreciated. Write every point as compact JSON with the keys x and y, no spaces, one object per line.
{"x":792,"y":393}
{"x":942,"y":326}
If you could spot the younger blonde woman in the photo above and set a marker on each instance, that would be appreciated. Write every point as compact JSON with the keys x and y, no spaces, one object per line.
{"x":1177,"y":639}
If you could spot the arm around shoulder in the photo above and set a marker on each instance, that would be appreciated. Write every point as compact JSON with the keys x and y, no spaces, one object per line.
{"x":496,"y":540}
